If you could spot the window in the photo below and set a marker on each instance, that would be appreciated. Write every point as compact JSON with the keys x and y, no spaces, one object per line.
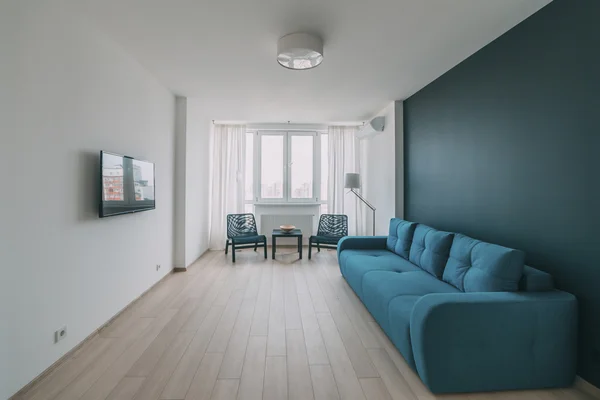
{"x":249,"y":178}
{"x":285,"y":167}
{"x":324,"y":172}
{"x":301,"y":166}
{"x":271,"y":166}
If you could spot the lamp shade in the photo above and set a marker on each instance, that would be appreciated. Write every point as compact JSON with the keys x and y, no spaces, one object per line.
{"x":300,"y":51}
{"x":352,"y":181}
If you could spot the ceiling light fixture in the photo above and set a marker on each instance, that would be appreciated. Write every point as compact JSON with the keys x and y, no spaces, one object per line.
{"x":300,"y":51}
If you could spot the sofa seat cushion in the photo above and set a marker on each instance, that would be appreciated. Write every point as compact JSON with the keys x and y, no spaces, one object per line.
{"x":399,"y":312}
{"x":476,"y":266}
{"x":430,"y":249}
{"x":400,"y":237}
{"x":357,"y":266}
{"x":379,"y":288}
{"x":346,"y":254}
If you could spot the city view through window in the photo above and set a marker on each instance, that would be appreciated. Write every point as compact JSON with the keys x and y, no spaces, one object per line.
{"x":114,"y":179}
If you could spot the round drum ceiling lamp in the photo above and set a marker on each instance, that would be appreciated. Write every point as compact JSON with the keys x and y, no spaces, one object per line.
{"x":300,"y":51}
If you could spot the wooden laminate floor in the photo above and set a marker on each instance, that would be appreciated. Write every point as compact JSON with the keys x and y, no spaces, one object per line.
{"x":259,"y":329}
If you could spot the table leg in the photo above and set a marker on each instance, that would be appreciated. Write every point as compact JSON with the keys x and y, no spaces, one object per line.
{"x":300,"y":246}
{"x":273,"y":246}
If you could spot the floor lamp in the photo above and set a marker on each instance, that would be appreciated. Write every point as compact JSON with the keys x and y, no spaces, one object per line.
{"x":352,"y":182}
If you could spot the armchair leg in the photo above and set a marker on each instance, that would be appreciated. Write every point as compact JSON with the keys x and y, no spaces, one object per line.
{"x":309,"y":249}
{"x":226,"y":247}
{"x":319,"y":247}
{"x":265,"y":246}
{"x":233,"y":252}
{"x":255,"y":246}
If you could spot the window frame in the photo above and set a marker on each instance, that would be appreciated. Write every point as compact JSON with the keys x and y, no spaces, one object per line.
{"x":287,"y":170}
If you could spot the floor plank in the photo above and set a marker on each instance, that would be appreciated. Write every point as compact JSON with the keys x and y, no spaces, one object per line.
{"x":323,"y":383}
{"x":236,"y":349}
{"x":315,"y":347}
{"x":146,"y":363}
{"x":183,"y":375}
{"x":158,"y":378}
{"x":220,"y":339}
{"x":394,"y":381}
{"x":292,"y":309}
{"x":260,"y":319}
{"x":276,"y":335}
{"x":225,"y":389}
{"x":275,"y":384}
{"x":127,"y":388}
{"x":298,"y":372}
{"x":343,"y":372}
{"x":374,"y":389}
{"x":253,"y":373}
{"x":205,"y":378}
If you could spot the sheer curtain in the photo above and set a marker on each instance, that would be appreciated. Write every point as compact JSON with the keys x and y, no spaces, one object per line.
{"x":227,"y":180}
{"x":344,"y":150}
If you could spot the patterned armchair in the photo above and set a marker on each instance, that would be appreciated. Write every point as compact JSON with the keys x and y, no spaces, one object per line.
{"x":332,"y":227}
{"x":242,"y":234}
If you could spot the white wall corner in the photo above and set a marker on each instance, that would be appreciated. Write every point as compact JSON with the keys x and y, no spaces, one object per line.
{"x":378,"y":171}
{"x":399,"y":167}
{"x":180,"y":181}
{"x":197,"y":179}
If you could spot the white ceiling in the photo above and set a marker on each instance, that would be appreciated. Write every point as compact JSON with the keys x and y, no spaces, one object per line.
{"x":376,"y":51}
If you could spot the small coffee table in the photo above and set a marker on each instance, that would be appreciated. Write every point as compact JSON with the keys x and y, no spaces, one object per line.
{"x":279,"y":233}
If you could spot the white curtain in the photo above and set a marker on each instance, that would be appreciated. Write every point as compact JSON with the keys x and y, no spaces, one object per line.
{"x":227,"y":180}
{"x":344,"y":150}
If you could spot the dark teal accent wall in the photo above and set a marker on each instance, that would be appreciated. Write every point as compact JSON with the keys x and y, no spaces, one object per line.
{"x":505,"y":147}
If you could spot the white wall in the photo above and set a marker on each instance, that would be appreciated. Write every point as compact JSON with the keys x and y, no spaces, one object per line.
{"x":399,"y":107}
{"x":197,"y":180}
{"x":8,"y":70}
{"x":74,"y":93}
{"x":180,"y":174}
{"x":378,"y":174}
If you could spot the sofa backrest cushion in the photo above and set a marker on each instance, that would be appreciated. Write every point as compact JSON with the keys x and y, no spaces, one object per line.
{"x":430,"y":249}
{"x":476,"y":266}
{"x":401,"y":236}
{"x":534,"y":280}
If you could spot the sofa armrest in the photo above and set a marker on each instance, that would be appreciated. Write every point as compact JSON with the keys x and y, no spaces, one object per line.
{"x":362,"y":243}
{"x":466,"y":342}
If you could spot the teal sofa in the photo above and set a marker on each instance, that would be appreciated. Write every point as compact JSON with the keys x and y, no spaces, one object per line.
{"x":466,"y":315}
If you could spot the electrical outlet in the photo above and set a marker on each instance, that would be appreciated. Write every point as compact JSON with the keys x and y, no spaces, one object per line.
{"x":157,"y":267}
{"x":60,"y":334}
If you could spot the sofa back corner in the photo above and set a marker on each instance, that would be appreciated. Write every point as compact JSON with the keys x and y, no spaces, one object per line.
{"x":430,"y":249}
{"x":400,"y":237}
{"x":476,"y":266}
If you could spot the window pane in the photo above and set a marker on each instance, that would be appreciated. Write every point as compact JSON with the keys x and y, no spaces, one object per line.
{"x":249,"y":179}
{"x":112,"y":177}
{"x":271,"y":167}
{"x":143,"y":180}
{"x":301,"y":164}
{"x":324,"y":166}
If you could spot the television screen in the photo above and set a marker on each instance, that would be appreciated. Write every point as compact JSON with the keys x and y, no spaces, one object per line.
{"x":127,"y":185}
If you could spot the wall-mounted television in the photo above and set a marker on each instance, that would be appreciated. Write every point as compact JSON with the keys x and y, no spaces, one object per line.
{"x":127,"y":185}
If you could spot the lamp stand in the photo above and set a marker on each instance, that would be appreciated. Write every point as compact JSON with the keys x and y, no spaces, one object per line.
{"x":368,"y":205}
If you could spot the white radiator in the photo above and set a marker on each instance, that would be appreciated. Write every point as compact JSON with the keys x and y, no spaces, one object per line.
{"x":272,"y":216}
